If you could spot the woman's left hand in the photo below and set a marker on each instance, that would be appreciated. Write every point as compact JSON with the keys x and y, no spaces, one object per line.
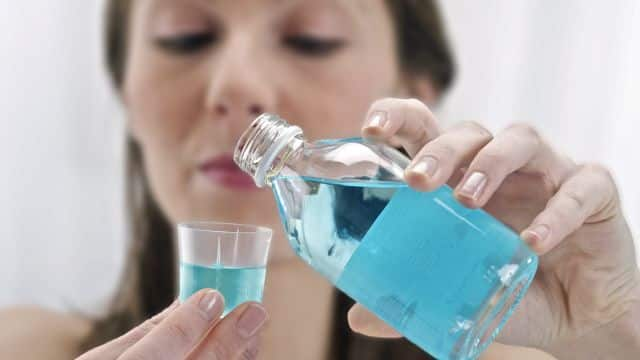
{"x":584,"y":302}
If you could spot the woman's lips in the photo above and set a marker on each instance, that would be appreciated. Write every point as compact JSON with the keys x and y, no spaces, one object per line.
{"x":221,"y":170}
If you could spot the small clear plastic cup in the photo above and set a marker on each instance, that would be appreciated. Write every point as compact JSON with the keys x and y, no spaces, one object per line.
{"x":230,"y":258}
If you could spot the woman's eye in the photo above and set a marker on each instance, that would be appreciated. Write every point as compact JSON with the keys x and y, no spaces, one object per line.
{"x":187,"y":43}
{"x":313,"y":46}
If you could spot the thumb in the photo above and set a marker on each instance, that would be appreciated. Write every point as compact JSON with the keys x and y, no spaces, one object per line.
{"x":365,"y":322}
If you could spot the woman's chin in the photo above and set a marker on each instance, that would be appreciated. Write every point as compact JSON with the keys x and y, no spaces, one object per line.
{"x":224,"y":204}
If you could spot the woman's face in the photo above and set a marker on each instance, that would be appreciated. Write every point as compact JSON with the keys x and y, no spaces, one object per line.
{"x":199,"y":71}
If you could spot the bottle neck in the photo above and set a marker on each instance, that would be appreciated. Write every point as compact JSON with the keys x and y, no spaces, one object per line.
{"x":266,"y":146}
{"x":288,"y":157}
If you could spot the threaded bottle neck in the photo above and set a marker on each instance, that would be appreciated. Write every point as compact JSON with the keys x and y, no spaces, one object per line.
{"x":262,"y":144}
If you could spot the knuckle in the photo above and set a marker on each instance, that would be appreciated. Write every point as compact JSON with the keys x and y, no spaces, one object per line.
{"x":567,"y":162}
{"x":384,"y":103}
{"x":441,"y":149}
{"x":603,"y":182}
{"x":139,"y":356}
{"x":562,"y":217}
{"x":139,"y":332}
{"x":250,"y":353}
{"x":146,"y":326}
{"x":415,"y":107}
{"x":550,"y":183}
{"x":491,"y":158}
{"x":218,"y":350}
{"x":599,"y":170}
{"x":477,"y":129}
{"x":180,"y":333}
{"x":413,"y":103}
{"x":574,"y":199}
{"x":525,"y":130}
{"x":418,"y":138}
{"x":154,"y":321}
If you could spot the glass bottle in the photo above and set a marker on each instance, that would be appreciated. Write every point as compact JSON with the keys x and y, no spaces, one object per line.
{"x":445,"y":276}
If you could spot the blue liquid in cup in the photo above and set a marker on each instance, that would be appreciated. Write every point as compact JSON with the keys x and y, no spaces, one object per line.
{"x":237,"y":285}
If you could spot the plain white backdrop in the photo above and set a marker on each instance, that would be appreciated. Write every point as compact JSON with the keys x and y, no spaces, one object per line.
{"x":570,"y":68}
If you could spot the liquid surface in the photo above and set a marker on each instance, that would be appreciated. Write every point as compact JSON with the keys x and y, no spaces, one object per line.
{"x":421,"y":261}
{"x":237,"y":285}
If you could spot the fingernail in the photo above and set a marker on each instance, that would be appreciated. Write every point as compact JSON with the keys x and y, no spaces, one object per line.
{"x":427,"y":165}
{"x":208,"y":303}
{"x":537,"y":234}
{"x":473,"y":187}
{"x":377,"y":119}
{"x":251,"y":320}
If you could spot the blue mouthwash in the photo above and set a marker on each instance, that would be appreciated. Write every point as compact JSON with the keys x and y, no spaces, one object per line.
{"x":445,"y":276}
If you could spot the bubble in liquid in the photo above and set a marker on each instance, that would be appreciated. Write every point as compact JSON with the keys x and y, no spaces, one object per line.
{"x":506,"y":273}
{"x":462,"y":324}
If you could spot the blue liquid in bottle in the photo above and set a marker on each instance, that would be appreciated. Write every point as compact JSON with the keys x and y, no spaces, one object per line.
{"x":443,"y":275}
{"x":237,"y":285}
{"x":420,"y":261}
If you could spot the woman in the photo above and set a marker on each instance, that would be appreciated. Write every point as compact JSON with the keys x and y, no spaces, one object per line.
{"x":192,"y":74}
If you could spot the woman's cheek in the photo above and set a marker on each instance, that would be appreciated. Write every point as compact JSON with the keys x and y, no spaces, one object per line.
{"x":169,"y":183}
{"x":339,"y":112}
{"x":161,"y":126}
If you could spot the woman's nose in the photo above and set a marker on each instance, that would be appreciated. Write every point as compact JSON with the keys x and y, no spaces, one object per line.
{"x":239,"y":88}
{"x":223,"y":108}
{"x":238,"y":98}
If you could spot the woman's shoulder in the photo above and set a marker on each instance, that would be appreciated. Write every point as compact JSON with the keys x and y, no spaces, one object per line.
{"x":30,"y":332}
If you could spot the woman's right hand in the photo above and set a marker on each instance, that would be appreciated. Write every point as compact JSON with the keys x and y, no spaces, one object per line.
{"x":584,"y":302}
{"x":191,"y":330}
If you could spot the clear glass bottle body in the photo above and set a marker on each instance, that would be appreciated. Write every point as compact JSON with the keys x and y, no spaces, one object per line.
{"x":443,"y":275}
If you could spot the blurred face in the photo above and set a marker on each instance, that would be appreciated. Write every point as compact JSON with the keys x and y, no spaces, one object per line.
{"x":199,"y":71}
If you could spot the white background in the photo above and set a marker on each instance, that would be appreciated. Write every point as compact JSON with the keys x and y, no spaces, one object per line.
{"x":570,"y":68}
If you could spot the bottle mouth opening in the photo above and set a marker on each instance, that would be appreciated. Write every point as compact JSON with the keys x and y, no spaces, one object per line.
{"x":261,"y":143}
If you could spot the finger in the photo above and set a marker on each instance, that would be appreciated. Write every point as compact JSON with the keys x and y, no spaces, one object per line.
{"x":116,"y":347}
{"x":236,"y":336}
{"x":589,"y":195}
{"x":406,"y":121}
{"x":517,"y":148}
{"x":182,"y":330}
{"x":365,"y":322}
{"x":442,"y":157}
